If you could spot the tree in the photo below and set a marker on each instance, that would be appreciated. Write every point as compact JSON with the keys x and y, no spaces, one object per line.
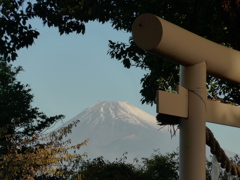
{"x":18,"y":119}
{"x":194,"y":16}
{"x":42,"y":156}
{"x":99,"y":168}
{"x":156,"y":167}
{"x":161,"y":167}
{"x":26,"y":151}
{"x":215,"y":20}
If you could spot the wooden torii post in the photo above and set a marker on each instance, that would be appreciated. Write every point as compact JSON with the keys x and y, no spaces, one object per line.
{"x":197,"y":57}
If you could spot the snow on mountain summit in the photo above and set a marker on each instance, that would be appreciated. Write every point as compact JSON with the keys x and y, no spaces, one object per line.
{"x":117,"y":127}
{"x":114,"y":128}
{"x":114,"y":111}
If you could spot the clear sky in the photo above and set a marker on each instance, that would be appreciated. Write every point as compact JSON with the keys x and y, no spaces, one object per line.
{"x":69,"y":73}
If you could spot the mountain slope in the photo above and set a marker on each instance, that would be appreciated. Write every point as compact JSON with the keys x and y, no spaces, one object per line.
{"x":117,"y":127}
{"x":114,"y":128}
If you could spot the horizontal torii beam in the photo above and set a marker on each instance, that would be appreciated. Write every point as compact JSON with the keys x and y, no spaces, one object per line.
{"x":216,"y":112}
{"x":154,"y":34}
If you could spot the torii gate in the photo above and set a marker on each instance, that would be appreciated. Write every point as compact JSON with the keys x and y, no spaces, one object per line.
{"x":197,"y":57}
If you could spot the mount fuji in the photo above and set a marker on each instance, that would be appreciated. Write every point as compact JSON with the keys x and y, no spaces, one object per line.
{"x":114,"y":128}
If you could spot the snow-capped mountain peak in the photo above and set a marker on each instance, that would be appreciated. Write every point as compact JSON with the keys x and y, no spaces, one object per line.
{"x":114,"y":128}
{"x":115,"y":111}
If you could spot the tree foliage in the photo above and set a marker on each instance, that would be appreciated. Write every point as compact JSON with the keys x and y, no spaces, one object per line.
{"x":99,"y":168}
{"x":18,"y":119}
{"x":217,"y":20}
{"x":162,"y":167}
{"x":41,"y":156}
{"x":156,"y":167}
{"x":25,"y":151}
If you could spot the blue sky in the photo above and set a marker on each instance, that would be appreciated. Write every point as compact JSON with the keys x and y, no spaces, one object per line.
{"x":69,"y":73}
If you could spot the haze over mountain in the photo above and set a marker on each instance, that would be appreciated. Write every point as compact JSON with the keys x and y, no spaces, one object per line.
{"x":117,"y":127}
{"x":114,"y":128}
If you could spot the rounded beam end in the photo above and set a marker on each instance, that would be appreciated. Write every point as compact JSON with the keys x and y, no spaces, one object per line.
{"x":147,"y":31}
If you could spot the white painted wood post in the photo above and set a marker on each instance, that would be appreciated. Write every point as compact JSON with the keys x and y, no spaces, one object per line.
{"x":192,"y":129}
